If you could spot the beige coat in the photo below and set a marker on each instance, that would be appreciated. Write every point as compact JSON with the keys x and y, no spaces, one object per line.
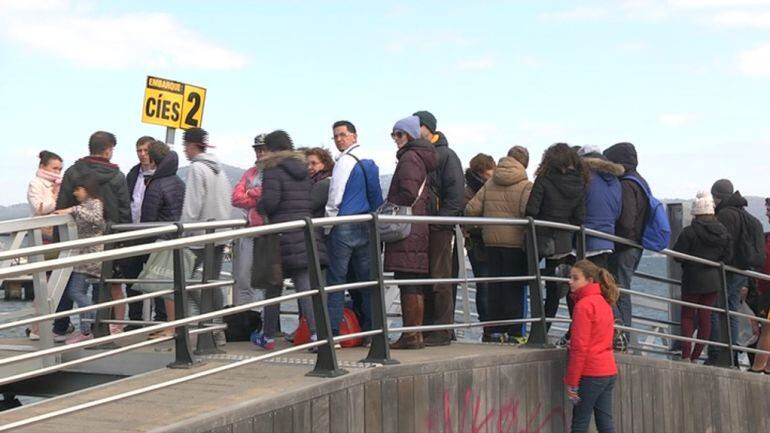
{"x":41,"y":196}
{"x":505,"y":195}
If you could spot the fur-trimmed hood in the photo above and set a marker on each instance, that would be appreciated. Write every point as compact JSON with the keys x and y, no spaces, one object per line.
{"x":292,"y":161}
{"x":601,"y":165}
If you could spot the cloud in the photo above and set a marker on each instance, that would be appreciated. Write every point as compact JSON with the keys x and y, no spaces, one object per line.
{"x":673,"y":119}
{"x":755,"y":62}
{"x":734,"y":18}
{"x":74,"y":32}
{"x":717,"y":3}
{"x":579,"y":14}
{"x":482,"y":63}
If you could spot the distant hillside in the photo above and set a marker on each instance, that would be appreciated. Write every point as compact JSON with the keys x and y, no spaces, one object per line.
{"x":14,"y":211}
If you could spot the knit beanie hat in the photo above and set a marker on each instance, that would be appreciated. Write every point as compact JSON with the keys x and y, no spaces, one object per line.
{"x":703,"y":204}
{"x":278,"y":140}
{"x":590,"y":150}
{"x":521,"y":154}
{"x":722,"y":189}
{"x":427,"y":119}
{"x":410,"y":125}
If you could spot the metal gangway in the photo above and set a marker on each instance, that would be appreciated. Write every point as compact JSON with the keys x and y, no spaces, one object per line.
{"x":50,"y":276}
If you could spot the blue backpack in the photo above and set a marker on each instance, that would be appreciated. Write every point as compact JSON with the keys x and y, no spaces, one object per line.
{"x":657,"y":231}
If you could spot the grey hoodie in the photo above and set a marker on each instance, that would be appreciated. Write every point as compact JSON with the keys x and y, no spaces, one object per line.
{"x":207,"y":193}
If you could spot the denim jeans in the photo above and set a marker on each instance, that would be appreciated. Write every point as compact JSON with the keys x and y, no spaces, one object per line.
{"x":77,"y":291}
{"x":734,"y":284}
{"x":595,"y":397}
{"x":348,"y":249}
{"x":622,"y":265}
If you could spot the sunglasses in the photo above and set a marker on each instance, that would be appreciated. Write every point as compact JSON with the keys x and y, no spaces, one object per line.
{"x":397,"y":134}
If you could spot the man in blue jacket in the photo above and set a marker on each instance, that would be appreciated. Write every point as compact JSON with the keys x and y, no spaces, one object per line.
{"x":354,"y":189}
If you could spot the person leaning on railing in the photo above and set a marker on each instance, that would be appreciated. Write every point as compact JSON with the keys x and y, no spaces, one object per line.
{"x":762,"y":361}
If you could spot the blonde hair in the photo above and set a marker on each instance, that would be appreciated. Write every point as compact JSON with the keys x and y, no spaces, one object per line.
{"x":602,"y":276}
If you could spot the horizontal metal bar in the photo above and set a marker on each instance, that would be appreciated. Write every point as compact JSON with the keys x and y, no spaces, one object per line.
{"x":346,"y":337}
{"x":671,"y":336}
{"x":424,"y":328}
{"x":657,"y":278}
{"x":213,"y":225}
{"x":749,"y":316}
{"x":430,"y":281}
{"x":84,"y":242}
{"x":350,"y":286}
{"x":210,"y":285}
{"x":671,"y":301}
{"x":339,"y":220}
{"x":481,"y":221}
{"x":31,"y":223}
{"x":158,"y":386}
{"x":154,"y":328}
{"x":137,"y":250}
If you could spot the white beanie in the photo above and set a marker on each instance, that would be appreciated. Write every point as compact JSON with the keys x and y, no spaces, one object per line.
{"x":703,"y":204}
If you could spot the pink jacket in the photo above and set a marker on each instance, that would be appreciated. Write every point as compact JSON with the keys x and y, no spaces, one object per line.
{"x":246,"y":195}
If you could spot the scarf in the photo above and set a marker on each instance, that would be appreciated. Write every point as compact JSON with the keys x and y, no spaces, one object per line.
{"x":49,"y":176}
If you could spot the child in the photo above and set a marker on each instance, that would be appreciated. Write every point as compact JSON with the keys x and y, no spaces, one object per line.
{"x":706,"y":237}
{"x":90,"y":220}
{"x":591,"y":368}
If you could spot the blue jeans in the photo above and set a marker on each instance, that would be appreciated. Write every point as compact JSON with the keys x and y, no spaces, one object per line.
{"x":595,"y":397}
{"x":734,"y":284}
{"x":348,"y":249}
{"x":622,"y":265}
{"x":77,"y":292}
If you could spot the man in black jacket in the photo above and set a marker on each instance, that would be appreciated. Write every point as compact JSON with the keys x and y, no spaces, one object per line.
{"x":131,"y":267}
{"x":114,"y":194}
{"x":447,"y":184}
{"x":633,"y":217}
{"x":729,"y":205}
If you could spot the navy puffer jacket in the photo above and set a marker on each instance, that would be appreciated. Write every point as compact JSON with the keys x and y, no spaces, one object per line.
{"x":604,"y":200}
{"x":286,"y":190}
{"x":164,"y":194}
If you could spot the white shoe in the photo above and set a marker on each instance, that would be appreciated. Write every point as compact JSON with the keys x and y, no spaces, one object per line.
{"x":59,"y":338}
{"x":116,"y":329}
{"x":219,"y":338}
{"x":33,"y":337}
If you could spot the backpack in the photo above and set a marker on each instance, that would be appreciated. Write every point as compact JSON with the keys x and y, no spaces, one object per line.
{"x":750,"y":247}
{"x":657,"y":230}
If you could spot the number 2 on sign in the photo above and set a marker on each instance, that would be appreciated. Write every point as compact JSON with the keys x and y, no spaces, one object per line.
{"x":192,"y":109}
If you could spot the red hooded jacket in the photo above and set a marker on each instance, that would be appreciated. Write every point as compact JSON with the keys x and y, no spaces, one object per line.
{"x":590,"y":347}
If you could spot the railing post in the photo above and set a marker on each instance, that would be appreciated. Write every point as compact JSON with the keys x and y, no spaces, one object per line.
{"x":538,"y":335}
{"x":725,"y":358}
{"x":326,"y":359}
{"x":580,"y":243}
{"x":183,"y":357}
{"x":206,"y":344}
{"x":379,"y":350}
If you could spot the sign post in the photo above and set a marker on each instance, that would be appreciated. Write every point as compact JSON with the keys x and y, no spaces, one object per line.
{"x":173,"y":104}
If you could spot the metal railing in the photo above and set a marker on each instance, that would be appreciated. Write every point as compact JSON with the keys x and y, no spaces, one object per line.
{"x":326,"y":364}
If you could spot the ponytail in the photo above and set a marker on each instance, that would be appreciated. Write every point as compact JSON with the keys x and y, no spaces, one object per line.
{"x":603,"y":277}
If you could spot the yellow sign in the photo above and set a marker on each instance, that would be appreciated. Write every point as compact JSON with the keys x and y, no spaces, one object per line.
{"x":173,"y":104}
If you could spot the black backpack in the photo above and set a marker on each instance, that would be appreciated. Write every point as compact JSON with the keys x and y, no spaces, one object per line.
{"x":241,"y":325}
{"x":750,"y":247}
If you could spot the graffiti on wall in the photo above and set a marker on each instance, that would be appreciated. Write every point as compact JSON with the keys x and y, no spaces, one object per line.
{"x":504,"y":418}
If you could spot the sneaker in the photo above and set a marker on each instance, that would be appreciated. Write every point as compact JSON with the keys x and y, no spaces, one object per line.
{"x":70,"y":329}
{"x":59,"y":338}
{"x":290,"y":337}
{"x":116,"y":329}
{"x":313,"y":338}
{"x":259,"y":339}
{"x":31,"y":335}
{"x":77,"y":337}
{"x":516,"y":339}
{"x":563,"y":342}
{"x":219,"y":338}
{"x":497,"y":337}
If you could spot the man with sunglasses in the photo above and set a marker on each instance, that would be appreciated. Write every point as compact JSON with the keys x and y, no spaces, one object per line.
{"x":447,"y":185}
{"x":354,"y":189}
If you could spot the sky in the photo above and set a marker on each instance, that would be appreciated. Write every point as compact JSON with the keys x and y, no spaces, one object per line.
{"x":686,"y":81}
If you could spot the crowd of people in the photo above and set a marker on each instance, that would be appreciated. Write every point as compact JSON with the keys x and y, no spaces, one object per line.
{"x":601,"y":190}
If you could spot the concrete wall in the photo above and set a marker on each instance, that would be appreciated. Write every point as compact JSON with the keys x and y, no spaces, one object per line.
{"x":520,"y":392}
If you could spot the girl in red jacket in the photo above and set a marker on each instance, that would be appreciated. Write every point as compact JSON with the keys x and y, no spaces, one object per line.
{"x":591,"y":369}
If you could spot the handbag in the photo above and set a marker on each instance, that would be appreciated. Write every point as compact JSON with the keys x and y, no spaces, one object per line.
{"x":160,"y":266}
{"x":396,"y":231}
{"x":266,"y":269}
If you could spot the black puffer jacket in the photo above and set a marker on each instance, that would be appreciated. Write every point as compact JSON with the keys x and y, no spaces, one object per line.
{"x":728,"y":212}
{"x":558,"y":197}
{"x":447,"y":182}
{"x":708,"y":239}
{"x":112,"y":187}
{"x":164,"y":194}
{"x":286,"y":197}
{"x":319,"y":194}
{"x":635,"y":210}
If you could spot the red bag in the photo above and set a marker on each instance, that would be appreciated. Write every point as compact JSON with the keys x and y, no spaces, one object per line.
{"x":348,"y":326}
